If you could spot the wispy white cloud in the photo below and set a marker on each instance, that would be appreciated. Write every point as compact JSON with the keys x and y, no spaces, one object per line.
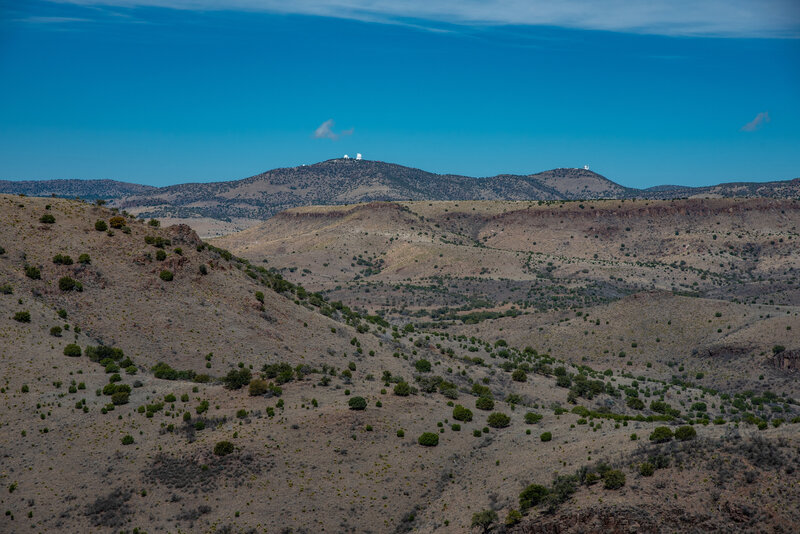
{"x":53,"y":20}
{"x":708,"y":18}
{"x":325,"y":131}
{"x":756,"y":124}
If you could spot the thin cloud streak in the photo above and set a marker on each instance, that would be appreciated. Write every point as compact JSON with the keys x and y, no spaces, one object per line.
{"x":757,"y":123}
{"x":699,"y":18}
{"x":325,"y":131}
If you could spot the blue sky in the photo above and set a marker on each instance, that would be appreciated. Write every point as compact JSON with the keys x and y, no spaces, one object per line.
{"x":169,"y":91}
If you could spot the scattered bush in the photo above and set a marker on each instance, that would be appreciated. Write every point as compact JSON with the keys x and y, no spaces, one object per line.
{"x":60,"y":259}
{"x":127,"y":440}
{"x":120,"y":397}
{"x":258,"y":387}
{"x":532,"y":417}
{"x":546,"y":436}
{"x":47,"y":218}
{"x":117,"y":221}
{"x":357,"y":403}
{"x":223,"y":448}
{"x":237,"y":379}
{"x":646,"y":469}
{"x":403,"y":389}
{"x":484,"y":520}
{"x":685,"y":433}
{"x":161,"y":255}
{"x":613,"y":479}
{"x":166,"y":275}
{"x":661,"y":434}
{"x":462,"y":414}
{"x":67,"y":283}
{"x":423,"y":366}
{"x":519,"y":375}
{"x":55,"y":331}
{"x":100,"y":225}
{"x":22,"y":317}
{"x":498,"y":420}
{"x":72,"y":350}
{"x":428,"y":439}
{"x":33,"y":272}
{"x":484,"y":403}
{"x":6,"y":289}
{"x":531,"y":496}
{"x":84,"y":259}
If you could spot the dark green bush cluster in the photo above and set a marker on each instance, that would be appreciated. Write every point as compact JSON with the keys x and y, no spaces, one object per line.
{"x":72,"y":349}
{"x":157,"y":241}
{"x":6,"y":289}
{"x":661,"y":434}
{"x":664,"y":408}
{"x":100,"y":225}
{"x":461,"y":413}
{"x":166,"y":275}
{"x":484,"y":403}
{"x":67,"y":283}
{"x":430,"y":384}
{"x":532,"y":418}
{"x":423,"y":366}
{"x":47,"y":218}
{"x":22,"y":317}
{"x":403,"y":389}
{"x":164,"y":371}
{"x":84,"y":259}
{"x":161,"y":255}
{"x":33,"y":272}
{"x":237,"y":379}
{"x":428,"y":439}
{"x":102,"y":353}
{"x":281,"y":372}
{"x":223,"y":448}
{"x":685,"y":433}
{"x":62,"y":259}
{"x":498,"y":420}
{"x":117,"y":221}
{"x":357,"y":403}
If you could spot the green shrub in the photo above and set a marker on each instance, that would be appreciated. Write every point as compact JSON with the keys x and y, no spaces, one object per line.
{"x":67,"y":283}
{"x":100,"y":225}
{"x":402,"y":389}
{"x":646,"y":469}
{"x":117,"y":221}
{"x":357,"y":403}
{"x":241,"y":414}
{"x":661,"y":434}
{"x":223,"y":448}
{"x":532,"y":418}
{"x":531,"y":496}
{"x":428,"y":439}
{"x":6,"y":289}
{"x":127,"y":440}
{"x":120,"y":397}
{"x":462,"y":414}
{"x":498,"y":420}
{"x":237,"y":379}
{"x":484,"y":403}
{"x":22,"y":317}
{"x":484,"y":520}
{"x":72,"y":350}
{"x":519,"y":375}
{"x":47,"y":218}
{"x":258,"y":387}
{"x":33,"y":272}
{"x":635,"y":403}
{"x":401,"y":433}
{"x":60,"y":259}
{"x":166,"y":275}
{"x":613,"y":479}
{"x":685,"y":433}
{"x":161,"y":255}
{"x":423,"y":366}
{"x":55,"y":331}
{"x":546,"y":436}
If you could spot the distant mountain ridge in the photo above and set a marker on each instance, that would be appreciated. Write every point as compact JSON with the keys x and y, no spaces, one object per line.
{"x":347,"y":181}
